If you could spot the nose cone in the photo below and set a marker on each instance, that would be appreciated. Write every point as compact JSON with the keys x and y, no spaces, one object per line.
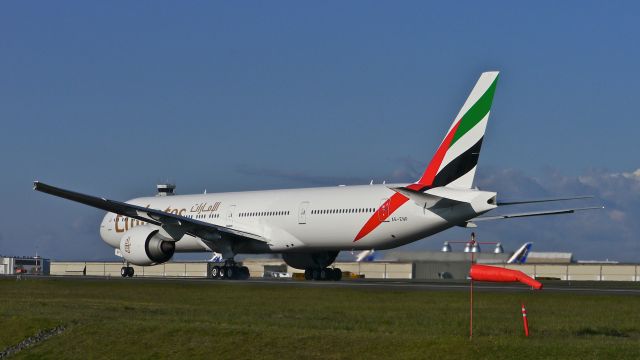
{"x":108,"y":232}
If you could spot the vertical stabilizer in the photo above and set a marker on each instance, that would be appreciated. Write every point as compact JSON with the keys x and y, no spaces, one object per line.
{"x":454,"y":163}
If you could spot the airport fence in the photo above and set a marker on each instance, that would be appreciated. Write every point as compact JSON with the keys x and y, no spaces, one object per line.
{"x":585,"y":272}
{"x":369,"y":270}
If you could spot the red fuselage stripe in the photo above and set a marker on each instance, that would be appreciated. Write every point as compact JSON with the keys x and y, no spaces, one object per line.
{"x":383,"y":212}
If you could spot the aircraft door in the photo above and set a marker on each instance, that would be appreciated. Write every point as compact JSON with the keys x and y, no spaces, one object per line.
{"x":383,"y":213}
{"x":302,"y":212}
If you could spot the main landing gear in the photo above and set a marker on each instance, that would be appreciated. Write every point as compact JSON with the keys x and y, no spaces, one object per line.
{"x":126,"y":271}
{"x":230,"y":271}
{"x":323,"y":274}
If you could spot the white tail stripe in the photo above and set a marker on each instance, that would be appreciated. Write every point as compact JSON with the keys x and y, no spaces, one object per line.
{"x":467,"y":141}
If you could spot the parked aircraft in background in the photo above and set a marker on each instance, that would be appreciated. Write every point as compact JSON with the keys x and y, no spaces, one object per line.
{"x":216,"y":257}
{"x":366,"y":256}
{"x":310,"y":226}
{"x":520,"y":255}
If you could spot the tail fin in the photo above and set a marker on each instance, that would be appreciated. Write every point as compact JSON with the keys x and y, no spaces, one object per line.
{"x":520,"y":256}
{"x":454,"y":163}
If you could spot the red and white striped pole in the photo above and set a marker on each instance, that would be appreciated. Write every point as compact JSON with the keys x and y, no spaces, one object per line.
{"x":525,"y":321}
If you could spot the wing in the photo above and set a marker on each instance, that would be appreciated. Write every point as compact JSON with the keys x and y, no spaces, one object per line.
{"x":534,"y":213}
{"x":175,"y":225}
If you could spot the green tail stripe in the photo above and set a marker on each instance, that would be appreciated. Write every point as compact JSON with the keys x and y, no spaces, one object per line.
{"x":476,"y":113}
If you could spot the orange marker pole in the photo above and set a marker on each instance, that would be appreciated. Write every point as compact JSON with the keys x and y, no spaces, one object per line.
{"x":525,"y":321}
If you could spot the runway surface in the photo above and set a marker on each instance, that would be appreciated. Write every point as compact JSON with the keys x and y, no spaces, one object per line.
{"x":578,"y":287}
{"x":444,"y":285}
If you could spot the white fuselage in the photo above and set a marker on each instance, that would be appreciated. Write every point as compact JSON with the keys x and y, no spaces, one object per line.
{"x":300,"y":220}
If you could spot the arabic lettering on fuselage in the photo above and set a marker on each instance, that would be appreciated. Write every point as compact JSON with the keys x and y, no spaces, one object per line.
{"x":202,"y":207}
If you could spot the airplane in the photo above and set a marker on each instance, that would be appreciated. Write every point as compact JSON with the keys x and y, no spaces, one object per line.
{"x":310,"y":226}
{"x":215,"y":257}
{"x":366,"y":256}
{"x":520,"y":255}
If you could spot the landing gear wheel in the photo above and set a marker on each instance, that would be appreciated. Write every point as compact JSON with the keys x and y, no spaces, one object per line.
{"x":222,"y":274}
{"x":126,"y":271}
{"x":337,"y":274}
{"x":325,"y":274}
{"x":308,"y":274}
{"x":244,"y":273}
{"x":315,"y":274}
{"x":230,"y":272}
{"x":333,"y":274}
{"x":215,"y":272}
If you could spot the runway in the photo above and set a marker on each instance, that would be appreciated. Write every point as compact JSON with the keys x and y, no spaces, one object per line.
{"x":577,"y":287}
{"x":448,"y":285}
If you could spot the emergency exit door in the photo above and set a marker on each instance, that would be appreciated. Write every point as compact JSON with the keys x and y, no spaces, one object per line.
{"x":302,"y":212}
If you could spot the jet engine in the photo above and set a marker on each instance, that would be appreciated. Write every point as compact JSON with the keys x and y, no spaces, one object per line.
{"x":142,"y":245}
{"x":317,"y":260}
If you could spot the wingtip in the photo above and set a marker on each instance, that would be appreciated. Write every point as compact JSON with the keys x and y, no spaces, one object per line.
{"x":35,"y":184}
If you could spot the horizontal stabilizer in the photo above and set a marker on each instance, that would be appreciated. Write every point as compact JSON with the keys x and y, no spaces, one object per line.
{"x":502,"y":203}
{"x":535,"y":213}
{"x":438,"y":197}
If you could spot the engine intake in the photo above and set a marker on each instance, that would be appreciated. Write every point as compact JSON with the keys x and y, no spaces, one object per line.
{"x":143,"y":246}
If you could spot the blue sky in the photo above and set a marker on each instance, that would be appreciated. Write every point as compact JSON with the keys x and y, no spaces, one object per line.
{"x":109,"y":98}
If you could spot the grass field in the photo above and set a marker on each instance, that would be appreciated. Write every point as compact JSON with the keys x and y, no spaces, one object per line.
{"x":173,"y":319}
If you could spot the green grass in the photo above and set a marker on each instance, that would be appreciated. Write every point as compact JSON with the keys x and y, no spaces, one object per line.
{"x":172,"y":319}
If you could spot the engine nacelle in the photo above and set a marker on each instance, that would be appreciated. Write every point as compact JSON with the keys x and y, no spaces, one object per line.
{"x":316,"y":260}
{"x":143,"y":246}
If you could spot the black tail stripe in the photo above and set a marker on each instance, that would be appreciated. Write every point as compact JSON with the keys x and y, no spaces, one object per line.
{"x":459,"y":166}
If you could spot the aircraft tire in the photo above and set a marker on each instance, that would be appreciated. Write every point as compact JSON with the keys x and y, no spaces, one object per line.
{"x":323,"y":274}
{"x":337,"y":274}
{"x":315,"y":274}
{"x":329,"y":274}
{"x":215,"y":271}
{"x":223,"y":273}
{"x":231,"y":272}
{"x":124,"y":272}
{"x":308,"y":274}
{"x":245,"y":274}
{"x":130,"y":272}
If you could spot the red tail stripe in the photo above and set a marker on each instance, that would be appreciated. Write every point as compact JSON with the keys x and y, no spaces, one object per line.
{"x":434,"y":165}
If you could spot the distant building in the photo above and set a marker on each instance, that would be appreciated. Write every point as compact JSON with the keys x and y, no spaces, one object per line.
{"x":36,"y":265}
{"x":439,"y":256}
{"x":536,"y":257}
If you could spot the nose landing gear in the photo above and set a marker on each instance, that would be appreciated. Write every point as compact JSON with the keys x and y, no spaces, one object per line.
{"x":126,"y":271}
